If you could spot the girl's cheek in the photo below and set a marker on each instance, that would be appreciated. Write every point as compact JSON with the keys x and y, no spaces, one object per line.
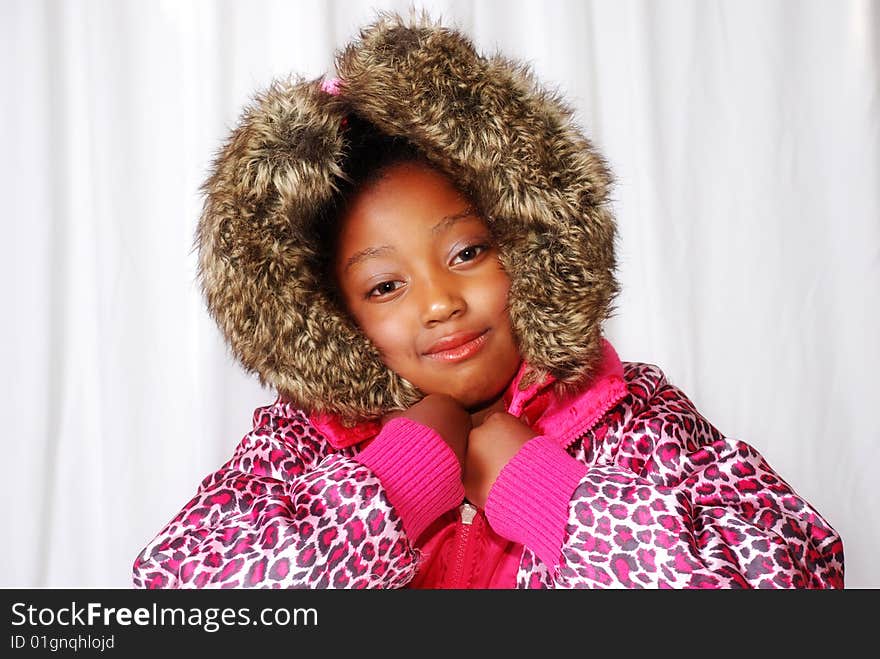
{"x":387,"y":333}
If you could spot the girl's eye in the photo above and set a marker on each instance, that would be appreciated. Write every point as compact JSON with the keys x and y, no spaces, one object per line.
{"x":470,"y":253}
{"x":384,"y":288}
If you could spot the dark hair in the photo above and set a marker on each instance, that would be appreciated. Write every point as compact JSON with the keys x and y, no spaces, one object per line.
{"x":370,"y":154}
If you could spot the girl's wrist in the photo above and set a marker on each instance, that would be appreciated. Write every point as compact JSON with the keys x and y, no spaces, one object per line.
{"x":529,"y":501}
{"x":420,"y":473}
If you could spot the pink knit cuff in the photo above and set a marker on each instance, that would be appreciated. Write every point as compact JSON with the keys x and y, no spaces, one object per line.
{"x":529,"y":501}
{"x":418,"y":470}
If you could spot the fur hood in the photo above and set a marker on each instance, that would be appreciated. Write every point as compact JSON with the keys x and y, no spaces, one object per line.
{"x":510,"y":145}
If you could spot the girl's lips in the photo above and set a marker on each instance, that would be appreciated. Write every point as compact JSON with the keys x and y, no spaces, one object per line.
{"x":461,"y":352}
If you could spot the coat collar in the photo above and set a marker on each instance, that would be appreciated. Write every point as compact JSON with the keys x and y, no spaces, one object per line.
{"x":550,"y":415}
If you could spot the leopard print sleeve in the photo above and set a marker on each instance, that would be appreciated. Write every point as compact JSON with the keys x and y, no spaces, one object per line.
{"x":668,"y":501}
{"x":282,"y":513}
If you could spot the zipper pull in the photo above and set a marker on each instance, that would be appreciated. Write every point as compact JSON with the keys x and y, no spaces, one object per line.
{"x":468,"y":512}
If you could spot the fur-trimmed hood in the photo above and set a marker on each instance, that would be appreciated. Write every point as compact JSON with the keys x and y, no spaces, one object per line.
{"x":509,"y":144}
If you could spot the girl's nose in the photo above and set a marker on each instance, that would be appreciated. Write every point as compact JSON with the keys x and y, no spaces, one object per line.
{"x":442,"y":301}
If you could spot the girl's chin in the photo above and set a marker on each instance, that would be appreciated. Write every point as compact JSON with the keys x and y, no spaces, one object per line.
{"x":476,"y":393}
{"x":471,"y":401}
{"x":474,"y":389}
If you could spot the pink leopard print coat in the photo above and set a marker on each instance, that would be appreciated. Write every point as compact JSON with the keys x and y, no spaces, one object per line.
{"x":667,"y":502}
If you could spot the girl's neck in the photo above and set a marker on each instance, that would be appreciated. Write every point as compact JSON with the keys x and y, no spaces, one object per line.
{"x":479,"y":414}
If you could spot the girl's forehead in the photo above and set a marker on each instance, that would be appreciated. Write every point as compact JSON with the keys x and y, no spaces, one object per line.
{"x":408,"y":198}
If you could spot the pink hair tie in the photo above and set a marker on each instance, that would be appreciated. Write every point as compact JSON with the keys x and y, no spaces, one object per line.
{"x":331,"y":86}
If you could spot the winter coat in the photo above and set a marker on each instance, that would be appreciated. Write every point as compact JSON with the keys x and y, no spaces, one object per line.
{"x":625,"y":484}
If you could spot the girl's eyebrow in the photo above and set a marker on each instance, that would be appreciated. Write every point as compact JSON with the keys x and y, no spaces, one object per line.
{"x":449,"y":220}
{"x":442,"y":225}
{"x":368,"y":253}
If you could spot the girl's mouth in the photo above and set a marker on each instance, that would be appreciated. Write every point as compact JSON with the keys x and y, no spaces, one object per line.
{"x":461,"y":352}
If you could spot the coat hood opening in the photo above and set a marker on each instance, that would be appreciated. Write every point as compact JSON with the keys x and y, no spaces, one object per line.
{"x":510,"y":145}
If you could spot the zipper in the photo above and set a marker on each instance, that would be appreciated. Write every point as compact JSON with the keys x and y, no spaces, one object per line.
{"x":467,"y":535}
{"x":464,"y":547}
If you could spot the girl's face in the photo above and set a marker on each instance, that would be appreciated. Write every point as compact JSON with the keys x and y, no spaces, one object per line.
{"x":418,"y":272}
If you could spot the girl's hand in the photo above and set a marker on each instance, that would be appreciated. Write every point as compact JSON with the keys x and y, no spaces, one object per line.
{"x":442,"y":413}
{"x":490,"y":447}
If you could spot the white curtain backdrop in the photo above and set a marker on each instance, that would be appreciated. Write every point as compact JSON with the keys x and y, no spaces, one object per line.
{"x":746,"y":143}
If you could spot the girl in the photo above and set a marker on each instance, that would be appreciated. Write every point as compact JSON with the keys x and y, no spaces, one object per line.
{"x":419,"y":256}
